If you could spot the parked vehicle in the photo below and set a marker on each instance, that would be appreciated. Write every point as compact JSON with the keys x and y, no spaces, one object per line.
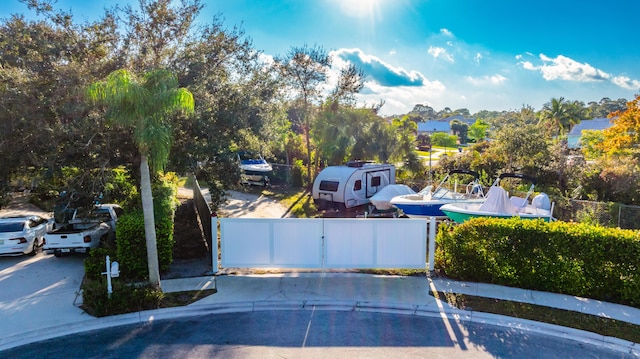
{"x":255,"y":169}
{"x":428,"y":201}
{"x":22,"y":235}
{"x":498,"y":204}
{"x":351,"y":185}
{"x":83,"y":232}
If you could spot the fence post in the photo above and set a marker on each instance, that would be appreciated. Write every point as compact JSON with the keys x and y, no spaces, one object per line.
{"x":215,"y":261}
{"x":432,"y":243}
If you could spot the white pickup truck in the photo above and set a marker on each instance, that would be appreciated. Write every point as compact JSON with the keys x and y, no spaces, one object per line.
{"x":81,"y":234}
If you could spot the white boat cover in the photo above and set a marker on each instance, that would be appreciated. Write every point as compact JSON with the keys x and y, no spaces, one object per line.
{"x":382,"y":199}
{"x":497,"y":201}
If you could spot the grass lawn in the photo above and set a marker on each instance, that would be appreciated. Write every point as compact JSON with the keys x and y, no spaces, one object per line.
{"x":565,"y":318}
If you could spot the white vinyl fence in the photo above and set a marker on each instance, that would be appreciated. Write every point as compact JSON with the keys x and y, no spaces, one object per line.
{"x":323,"y":243}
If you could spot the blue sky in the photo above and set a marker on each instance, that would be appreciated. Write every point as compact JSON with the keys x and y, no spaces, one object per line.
{"x":479,"y":55}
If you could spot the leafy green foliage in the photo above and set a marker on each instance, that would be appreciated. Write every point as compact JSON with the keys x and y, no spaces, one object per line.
{"x":126,"y":297}
{"x":130,"y":233}
{"x":95,"y":263}
{"x":131,"y":248}
{"x":478,"y":131}
{"x":444,"y":140}
{"x":576,"y":259}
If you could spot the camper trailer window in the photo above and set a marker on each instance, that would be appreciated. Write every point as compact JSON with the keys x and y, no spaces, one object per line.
{"x":375,"y":181}
{"x":357,"y":186}
{"x":331,"y":186}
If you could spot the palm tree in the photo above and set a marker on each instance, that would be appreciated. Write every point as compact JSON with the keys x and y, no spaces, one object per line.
{"x":146,"y":105}
{"x":556,"y":114}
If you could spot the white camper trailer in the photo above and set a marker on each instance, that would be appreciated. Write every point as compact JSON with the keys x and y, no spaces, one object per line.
{"x":351,"y":185}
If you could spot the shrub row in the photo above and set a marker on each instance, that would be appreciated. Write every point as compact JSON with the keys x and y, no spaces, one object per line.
{"x":126,"y":297}
{"x":576,"y":259}
{"x":131,"y":253}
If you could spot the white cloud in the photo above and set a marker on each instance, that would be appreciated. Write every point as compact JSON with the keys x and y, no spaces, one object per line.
{"x":400,"y":100}
{"x":379,"y":71}
{"x":440,"y":52}
{"x":565,"y":68}
{"x":496,"y":79}
{"x":527,"y":65}
{"x":477,"y":58}
{"x":626,"y":82}
{"x":446,"y":32}
{"x":392,"y":52}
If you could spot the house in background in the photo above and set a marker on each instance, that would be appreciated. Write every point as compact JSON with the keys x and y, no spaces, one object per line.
{"x":598,"y":124}
{"x":432,"y":126}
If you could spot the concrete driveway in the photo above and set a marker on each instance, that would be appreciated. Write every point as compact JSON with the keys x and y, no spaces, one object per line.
{"x":29,"y":283}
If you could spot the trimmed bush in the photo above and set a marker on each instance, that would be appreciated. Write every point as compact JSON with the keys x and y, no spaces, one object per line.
{"x":576,"y":259}
{"x":95,"y":263}
{"x":132,"y":246}
{"x":130,"y":236}
{"x":126,"y":298}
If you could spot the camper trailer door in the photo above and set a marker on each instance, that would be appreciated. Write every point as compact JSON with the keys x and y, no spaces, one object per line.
{"x":376,"y":180}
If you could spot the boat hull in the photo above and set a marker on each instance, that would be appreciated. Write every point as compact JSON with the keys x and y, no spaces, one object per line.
{"x":460,"y":214}
{"x":425,"y":209}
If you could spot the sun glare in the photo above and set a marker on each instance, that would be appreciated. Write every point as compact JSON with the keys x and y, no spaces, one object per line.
{"x":359,"y":8}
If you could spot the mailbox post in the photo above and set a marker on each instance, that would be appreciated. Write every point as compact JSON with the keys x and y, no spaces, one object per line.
{"x":113,"y":271}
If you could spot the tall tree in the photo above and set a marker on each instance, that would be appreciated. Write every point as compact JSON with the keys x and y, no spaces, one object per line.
{"x":554,"y":113}
{"x":623,"y":137}
{"x":146,"y":106}
{"x":561,"y":115}
{"x":460,"y":129}
{"x":406,"y":130}
{"x":478,"y":131}
{"x":156,"y":34}
{"x":305,"y":69}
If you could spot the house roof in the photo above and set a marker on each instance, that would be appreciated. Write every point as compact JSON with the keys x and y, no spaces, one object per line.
{"x":599,"y":123}
{"x":434,"y":126}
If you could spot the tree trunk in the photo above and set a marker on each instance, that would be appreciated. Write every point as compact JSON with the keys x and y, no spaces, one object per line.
{"x":149,"y":222}
{"x":309,"y":183}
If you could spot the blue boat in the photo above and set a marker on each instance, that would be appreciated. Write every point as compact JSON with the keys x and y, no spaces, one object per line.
{"x":427,"y":202}
{"x":255,"y":169}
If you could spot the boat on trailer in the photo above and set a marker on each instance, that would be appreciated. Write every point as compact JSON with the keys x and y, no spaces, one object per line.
{"x":428,"y":201}
{"x":498,"y":204}
{"x":255,"y":169}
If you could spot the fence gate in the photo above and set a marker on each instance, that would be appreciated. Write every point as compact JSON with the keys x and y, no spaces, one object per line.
{"x":323,"y":243}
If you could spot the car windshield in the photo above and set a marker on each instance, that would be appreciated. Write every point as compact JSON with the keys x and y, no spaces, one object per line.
{"x":11,"y":227}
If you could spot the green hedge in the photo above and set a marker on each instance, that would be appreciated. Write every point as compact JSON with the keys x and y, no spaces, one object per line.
{"x":576,"y":259}
{"x":96,"y":262}
{"x":126,"y":297}
{"x":132,"y":248}
{"x":131,"y":238}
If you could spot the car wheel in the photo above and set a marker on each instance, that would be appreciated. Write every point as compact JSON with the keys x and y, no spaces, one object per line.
{"x":57,"y":254}
{"x":34,"y":248}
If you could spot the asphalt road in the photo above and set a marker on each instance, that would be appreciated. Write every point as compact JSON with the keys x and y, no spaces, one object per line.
{"x":310,"y":334}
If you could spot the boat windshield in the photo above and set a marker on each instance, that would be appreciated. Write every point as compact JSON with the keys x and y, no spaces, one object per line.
{"x":249,"y":156}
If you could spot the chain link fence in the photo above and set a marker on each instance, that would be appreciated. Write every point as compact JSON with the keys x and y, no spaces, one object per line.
{"x":608,"y":214}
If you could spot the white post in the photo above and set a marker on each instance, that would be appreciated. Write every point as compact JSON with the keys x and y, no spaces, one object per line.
{"x":215,"y":261}
{"x":108,"y":273}
{"x":432,"y":243}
